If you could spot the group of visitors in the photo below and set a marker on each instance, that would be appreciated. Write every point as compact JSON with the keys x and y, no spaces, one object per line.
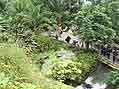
{"x":109,"y":52}
{"x":67,"y":36}
{"x":106,"y":50}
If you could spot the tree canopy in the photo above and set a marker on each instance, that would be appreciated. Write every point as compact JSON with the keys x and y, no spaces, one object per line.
{"x":94,"y":24}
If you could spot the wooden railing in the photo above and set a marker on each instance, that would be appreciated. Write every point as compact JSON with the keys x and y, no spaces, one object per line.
{"x":107,"y":58}
{"x":108,"y":62}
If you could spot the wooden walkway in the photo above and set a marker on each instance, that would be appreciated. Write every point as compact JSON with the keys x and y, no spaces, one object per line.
{"x":103,"y":59}
{"x":108,"y":62}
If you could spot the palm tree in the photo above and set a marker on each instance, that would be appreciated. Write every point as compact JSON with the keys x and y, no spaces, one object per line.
{"x":60,"y":7}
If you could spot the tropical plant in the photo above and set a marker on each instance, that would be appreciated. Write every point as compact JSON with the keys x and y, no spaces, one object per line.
{"x":3,"y":6}
{"x":24,"y":15}
{"x":67,"y":71}
{"x":94,"y":24}
{"x":45,"y":44}
{"x":75,"y":71}
{"x":113,"y":79}
{"x":113,"y":12}
{"x":87,"y":59}
{"x":60,"y":8}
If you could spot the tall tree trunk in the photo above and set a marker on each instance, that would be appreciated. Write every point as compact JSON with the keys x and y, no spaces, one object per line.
{"x":59,"y":27}
{"x":58,"y":20}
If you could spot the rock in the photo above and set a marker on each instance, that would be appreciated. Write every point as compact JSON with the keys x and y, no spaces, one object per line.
{"x":99,"y":86}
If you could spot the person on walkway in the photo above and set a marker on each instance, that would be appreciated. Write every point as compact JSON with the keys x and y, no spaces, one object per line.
{"x":59,"y":30}
{"x":98,"y":48}
{"x":68,"y":39}
{"x":103,"y":50}
{"x":115,"y":54}
{"x":56,"y":36}
{"x":108,"y":51}
{"x":74,"y":43}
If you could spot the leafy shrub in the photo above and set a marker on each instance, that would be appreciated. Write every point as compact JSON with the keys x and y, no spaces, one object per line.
{"x":17,"y":73}
{"x":46,"y":43}
{"x":87,"y":59}
{"x":66,"y":71}
{"x":14,"y":63}
{"x":47,"y":24}
{"x":74,"y":71}
{"x":7,"y":83}
{"x":94,"y":24}
{"x":113,"y":78}
{"x":6,"y":37}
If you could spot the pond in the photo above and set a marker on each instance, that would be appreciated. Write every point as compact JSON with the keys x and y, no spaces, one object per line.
{"x":96,"y":79}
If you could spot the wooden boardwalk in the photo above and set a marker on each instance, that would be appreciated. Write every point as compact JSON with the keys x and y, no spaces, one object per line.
{"x":108,"y":62}
{"x":103,"y":59}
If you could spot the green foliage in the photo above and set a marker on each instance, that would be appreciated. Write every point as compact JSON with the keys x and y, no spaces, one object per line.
{"x":46,"y":43}
{"x":87,"y":59}
{"x":41,"y":56}
{"x":94,"y":24}
{"x":88,"y":62}
{"x":3,"y":6}
{"x":4,"y":37}
{"x":66,"y":71}
{"x":14,"y":62}
{"x":20,"y":18}
{"x":113,"y":78}
{"x":11,"y":60}
{"x":17,"y":72}
{"x":7,"y":83}
{"x":24,"y":15}
{"x":113,"y":12}
{"x":73,"y":71}
{"x":62,"y":6}
{"x":48,"y":24}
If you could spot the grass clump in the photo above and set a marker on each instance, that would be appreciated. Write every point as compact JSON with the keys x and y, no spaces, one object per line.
{"x":15,"y":68}
{"x":13,"y":61}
